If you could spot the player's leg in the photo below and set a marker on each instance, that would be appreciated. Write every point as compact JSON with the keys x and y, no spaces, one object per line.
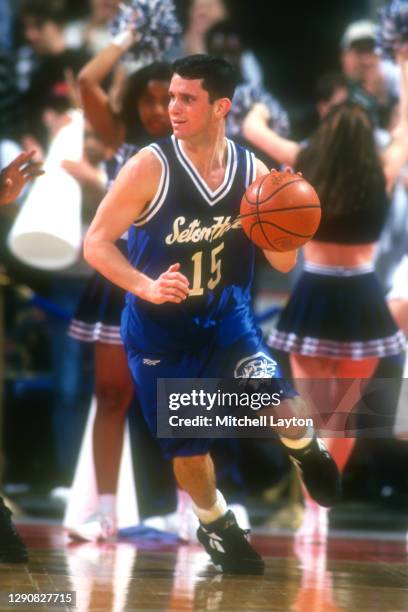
{"x":219,"y":533}
{"x":196,"y":475}
{"x":114,"y":390}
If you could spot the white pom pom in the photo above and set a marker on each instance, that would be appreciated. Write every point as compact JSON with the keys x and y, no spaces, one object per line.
{"x":244,"y":98}
{"x":393,"y":27}
{"x":155,"y":23}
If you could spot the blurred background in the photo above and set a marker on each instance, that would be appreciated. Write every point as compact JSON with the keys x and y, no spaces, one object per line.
{"x":46,"y":376}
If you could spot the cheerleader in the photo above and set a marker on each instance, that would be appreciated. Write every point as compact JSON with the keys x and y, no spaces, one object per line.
{"x":143,"y":117}
{"x":336,"y":324}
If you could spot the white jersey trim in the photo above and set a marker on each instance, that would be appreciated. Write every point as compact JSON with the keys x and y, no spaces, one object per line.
{"x":162,"y":190}
{"x":253,"y":159}
{"x":250,"y":168}
{"x":211,"y":197}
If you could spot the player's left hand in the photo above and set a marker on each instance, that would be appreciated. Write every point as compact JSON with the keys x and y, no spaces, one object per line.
{"x":16,"y":175}
{"x":171,"y":286}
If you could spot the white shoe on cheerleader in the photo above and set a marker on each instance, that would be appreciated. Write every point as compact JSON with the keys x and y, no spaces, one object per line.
{"x":314,"y":527}
{"x":97,"y":528}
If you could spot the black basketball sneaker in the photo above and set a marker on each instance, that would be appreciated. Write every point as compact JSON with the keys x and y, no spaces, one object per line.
{"x":12,"y":548}
{"x":228,"y":546}
{"x":319,"y":471}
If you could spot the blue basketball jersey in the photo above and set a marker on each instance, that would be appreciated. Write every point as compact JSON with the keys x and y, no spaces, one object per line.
{"x":187,"y":223}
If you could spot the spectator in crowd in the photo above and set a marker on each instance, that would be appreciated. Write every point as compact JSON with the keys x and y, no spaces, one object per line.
{"x":209,"y":29}
{"x":202,"y":15}
{"x":10,"y":99}
{"x":16,"y":175}
{"x":331,"y":89}
{"x":90,"y":172}
{"x":46,"y":61}
{"x":92,"y":32}
{"x":6,"y":23}
{"x":393,"y":244}
{"x":224,"y":40}
{"x":257,"y":125}
{"x":364,"y":68}
{"x":13,"y":178}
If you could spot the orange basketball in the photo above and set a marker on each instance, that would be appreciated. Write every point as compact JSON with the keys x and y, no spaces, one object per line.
{"x":280,"y":211}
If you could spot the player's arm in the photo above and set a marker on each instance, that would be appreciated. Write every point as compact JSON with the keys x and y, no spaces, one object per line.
{"x":256,"y":131}
{"x":134,"y":188}
{"x":283,"y":262}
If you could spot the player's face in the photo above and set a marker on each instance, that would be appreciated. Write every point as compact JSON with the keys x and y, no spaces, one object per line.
{"x":153,"y":108}
{"x":191,"y":112}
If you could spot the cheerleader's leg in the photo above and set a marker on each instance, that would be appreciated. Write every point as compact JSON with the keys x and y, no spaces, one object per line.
{"x":314,"y":526}
{"x":114,"y":391}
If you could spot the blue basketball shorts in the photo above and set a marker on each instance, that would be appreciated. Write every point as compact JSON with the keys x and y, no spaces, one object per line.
{"x":249,"y":357}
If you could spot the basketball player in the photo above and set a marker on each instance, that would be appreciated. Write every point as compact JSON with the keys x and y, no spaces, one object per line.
{"x":13,"y":179}
{"x":188,"y":312}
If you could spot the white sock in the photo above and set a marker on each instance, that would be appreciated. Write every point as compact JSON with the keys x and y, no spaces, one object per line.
{"x":107,"y":504}
{"x":300,"y":442}
{"x":215,"y":512}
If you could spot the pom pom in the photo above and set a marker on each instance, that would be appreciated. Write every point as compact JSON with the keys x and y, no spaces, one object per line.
{"x":155,"y":23}
{"x":393,"y":27}
{"x":244,"y":98}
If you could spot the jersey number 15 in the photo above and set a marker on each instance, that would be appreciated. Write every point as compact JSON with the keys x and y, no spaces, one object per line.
{"x":215,"y":268}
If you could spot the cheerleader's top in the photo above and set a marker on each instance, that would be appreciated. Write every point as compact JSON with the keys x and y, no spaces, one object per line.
{"x":361,"y":226}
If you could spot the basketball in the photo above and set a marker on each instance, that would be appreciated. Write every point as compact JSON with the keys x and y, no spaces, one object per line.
{"x":280,"y":211}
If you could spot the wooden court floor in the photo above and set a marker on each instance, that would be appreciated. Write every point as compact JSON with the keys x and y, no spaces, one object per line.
{"x":348,"y":574}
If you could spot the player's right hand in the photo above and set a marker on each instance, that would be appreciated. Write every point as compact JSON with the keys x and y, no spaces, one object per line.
{"x":171,"y":286}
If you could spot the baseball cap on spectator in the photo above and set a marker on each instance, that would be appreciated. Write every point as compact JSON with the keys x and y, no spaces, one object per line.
{"x":357,"y":33}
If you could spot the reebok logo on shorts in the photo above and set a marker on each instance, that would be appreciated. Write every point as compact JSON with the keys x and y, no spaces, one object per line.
{"x":151,"y":362}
